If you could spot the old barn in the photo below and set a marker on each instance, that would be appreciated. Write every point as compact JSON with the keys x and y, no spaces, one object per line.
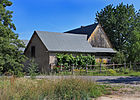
{"x":43,"y":46}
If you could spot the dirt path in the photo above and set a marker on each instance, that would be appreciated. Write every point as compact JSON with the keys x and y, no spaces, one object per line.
{"x":125,"y":93}
{"x":115,"y":97}
{"x":114,"y":80}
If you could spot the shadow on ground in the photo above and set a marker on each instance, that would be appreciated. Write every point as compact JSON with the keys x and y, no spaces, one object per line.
{"x":124,"y":80}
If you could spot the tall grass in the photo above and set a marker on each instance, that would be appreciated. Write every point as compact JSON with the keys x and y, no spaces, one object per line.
{"x":41,"y":89}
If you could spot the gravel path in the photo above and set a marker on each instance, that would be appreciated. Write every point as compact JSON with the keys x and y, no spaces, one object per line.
{"x":115,"y":80}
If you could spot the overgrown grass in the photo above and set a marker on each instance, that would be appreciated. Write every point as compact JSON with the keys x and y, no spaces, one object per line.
{"x":60,"y":89}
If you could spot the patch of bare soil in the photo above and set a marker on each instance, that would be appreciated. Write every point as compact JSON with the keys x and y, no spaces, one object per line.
{"x":126,"y":93}
{"x":115,"y":97}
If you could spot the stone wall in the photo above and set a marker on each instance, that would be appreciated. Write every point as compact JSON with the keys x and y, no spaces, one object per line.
{"x":41,"y":53}
{"x":53,"y":59}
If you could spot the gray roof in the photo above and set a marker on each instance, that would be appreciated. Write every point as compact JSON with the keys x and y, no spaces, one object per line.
{"x":61,"y":42}
{"x":105,"y":50}
{"x":84,"y":30}
{"x":65,"y":42}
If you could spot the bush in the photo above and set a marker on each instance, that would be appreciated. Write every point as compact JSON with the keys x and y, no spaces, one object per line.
{"x":119,"y":58}
{"x":32,"y":69}
{"x":97,"y":90}
{"x":111,"y":72}
{"x":68,"y":60}
{"x":123,"y":70}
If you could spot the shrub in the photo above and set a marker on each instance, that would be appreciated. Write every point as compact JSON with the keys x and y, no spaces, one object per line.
{"x":32,"y":69}
{"x":119,"y":58}
{"x":124,"y":70}
{"x":68,"y":60}
{"x":111,"y":72}
{"x":97,"y":90}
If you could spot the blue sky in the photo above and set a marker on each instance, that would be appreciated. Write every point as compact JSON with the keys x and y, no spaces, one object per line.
{"x":57,"y":15}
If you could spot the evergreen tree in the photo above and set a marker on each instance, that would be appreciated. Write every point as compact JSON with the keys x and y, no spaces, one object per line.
{"x":11,"y":57}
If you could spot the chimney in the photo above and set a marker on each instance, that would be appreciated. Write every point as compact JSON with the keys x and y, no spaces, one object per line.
{"x":82,"y":26}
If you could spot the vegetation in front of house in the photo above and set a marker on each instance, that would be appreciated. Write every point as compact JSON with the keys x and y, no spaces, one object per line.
{"x":59,"y":89}
{"x":66,"y":65}
{"x":68,"y":60}
{"x":108,"y":72}
{"x":32,"y":69}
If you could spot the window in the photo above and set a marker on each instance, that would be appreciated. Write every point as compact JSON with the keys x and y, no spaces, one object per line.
{"x":33,"y":51}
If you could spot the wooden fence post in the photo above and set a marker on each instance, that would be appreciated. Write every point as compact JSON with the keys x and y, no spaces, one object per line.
{"x":125,"y":65}
{"x":100,"y":67}
{"x":72,"y":69}
{"x":130,"y":65}
{"x":134,"y":66}
{"x":113,"y":66}
{"x":86,"y":68}
{"x":61,"y":67}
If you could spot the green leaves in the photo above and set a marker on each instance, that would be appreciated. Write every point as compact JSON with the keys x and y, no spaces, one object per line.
{"x":6,"y":15}
{"x":121,"y":23}
{"x":79,"y":60}
{"x":119,"y":58}
{"x":117,"y":23}
{"x":11,"y":58}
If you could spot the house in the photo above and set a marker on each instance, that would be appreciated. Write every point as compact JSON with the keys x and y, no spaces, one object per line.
{"x":43,"y":47}
{"x":95,"y":35}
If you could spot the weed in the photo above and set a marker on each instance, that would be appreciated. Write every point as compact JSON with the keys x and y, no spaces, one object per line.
{"x":62,"y":89}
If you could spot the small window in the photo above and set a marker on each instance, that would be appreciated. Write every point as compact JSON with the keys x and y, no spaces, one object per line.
{"x":33,"y":51}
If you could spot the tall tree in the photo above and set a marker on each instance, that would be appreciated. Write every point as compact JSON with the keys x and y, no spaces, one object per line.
{"x":118,"y":23}
{"x":133,"y":48}
{"x":11,"y":57}
{"x":121,"y":23}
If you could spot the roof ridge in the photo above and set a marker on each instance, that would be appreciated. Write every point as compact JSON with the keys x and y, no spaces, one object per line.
{"x":62,"y":33}
{"x":81,"y":27}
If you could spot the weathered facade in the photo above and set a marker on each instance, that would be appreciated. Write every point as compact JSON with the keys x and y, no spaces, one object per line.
{"x":98,"y":38}
{"x":41,"y":55}
{"x":95,"y":35}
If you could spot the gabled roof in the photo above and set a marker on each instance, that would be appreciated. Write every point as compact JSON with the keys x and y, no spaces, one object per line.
{"x":61,"y":42}
{"x":84,"y":30}
{"x":104,"y":50}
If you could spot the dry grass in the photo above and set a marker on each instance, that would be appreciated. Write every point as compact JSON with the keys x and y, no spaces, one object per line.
{"x":38,"y":89}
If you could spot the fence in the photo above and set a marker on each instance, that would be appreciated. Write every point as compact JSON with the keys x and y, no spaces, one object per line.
{"x":99,"y":68}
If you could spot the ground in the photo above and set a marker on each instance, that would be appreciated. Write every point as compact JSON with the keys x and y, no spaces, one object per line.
{"x":112,"y":80}
{"x":127,"y":93}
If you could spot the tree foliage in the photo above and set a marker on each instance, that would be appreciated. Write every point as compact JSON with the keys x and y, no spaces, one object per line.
{"x":121,"y":23}
{"x":119,"y":58}
{"x":133,"y":48}
{"x":11,"y":57}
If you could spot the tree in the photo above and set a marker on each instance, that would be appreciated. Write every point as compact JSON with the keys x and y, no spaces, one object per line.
{"x":133,"y":48}
{"x":121,"y":23}
{"x":118,"y":23}
{"x":11,"y":57}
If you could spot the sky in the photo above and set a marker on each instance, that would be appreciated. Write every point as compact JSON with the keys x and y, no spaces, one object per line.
{"x":57,"y":15}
